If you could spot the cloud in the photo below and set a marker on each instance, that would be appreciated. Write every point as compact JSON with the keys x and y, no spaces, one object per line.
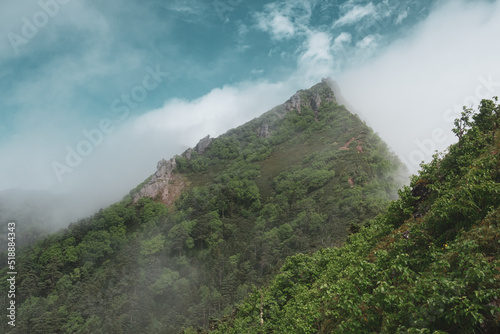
{"x":354,"y":15}
{"x":40,"y":26}
{"x":404,"y":91}
{"x":279,"y":26}
{"x":129,"y":154}
{"x":214,"y":113}
{"x":403,"y":15}
{"x":341,"y":39}
{"x":282,"y":27}
{"x":191,"y":7}
{"x":317,"y":60}
{"x":369,"y":41}
{"x":411,"y":90}
{"x":193,"y":11}
{"x":257,"y":71}
{"x":285,"y":20}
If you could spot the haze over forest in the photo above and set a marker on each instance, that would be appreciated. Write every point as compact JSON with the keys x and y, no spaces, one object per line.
{"x":241,"y":166}
{"x":406,"y":67}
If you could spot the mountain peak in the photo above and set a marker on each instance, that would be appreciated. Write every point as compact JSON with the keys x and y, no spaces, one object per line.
{"x":312,"y":97}
{"x":166,"y":186}
{"x":300,"y":177}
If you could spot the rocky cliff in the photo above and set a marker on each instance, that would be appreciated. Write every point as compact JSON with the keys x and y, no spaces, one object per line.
{"x":165,"y":185}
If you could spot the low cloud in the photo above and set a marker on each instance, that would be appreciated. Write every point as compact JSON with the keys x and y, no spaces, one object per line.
{"x":408,"y":92}
{"x":413,"y":89}
{"x":128,"y":155}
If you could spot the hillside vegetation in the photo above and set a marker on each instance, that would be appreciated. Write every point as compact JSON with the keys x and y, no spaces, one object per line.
{"x":429,"y":264}
{"x":298,"y":179}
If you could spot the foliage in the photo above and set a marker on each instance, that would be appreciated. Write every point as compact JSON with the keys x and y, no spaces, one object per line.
{"x":430,"y":264}
{"x":282,"y":184}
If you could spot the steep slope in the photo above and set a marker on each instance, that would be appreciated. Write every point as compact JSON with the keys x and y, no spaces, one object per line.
{"x":431,"y":264}
{"x":39,"y":213}
{"x":211,"y":224}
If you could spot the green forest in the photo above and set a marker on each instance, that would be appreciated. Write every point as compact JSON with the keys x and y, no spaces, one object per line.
{"x":429,"y":264}
{"x":295,"y":222}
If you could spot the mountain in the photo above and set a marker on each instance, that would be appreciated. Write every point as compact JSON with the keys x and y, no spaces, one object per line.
{"x":211,"y":224}
{"x":37,"y":213}
{"x":430,"y":264}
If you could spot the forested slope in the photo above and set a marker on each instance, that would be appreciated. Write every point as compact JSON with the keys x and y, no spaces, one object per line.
{"x":430,"y":264}
{"x":211,"y":225}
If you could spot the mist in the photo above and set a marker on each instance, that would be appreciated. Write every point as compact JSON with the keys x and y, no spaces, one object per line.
{"x":116,"y":162}
{"x":415,"y":88}
{"x":408,"y":89}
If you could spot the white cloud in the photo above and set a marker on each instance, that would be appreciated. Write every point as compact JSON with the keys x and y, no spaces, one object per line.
{"x":284,"y":20}
{"x":257,"y":71}
{"x":135,"y":147}
{"x":316,"y":61}
{"x":192,"y":7}
{"x":355,"y":14}
{"x":18,"y":18}
{"x":193,"y":11}
{"x":403,"y":94}
{"x":342,"y":38}
{"x":403,"y":15}
{"x":127,"y":156}
{"x":368,"y":42}
{"x":406,"y":93}
{"x":282,"y":27}
{"x":279,"y":26}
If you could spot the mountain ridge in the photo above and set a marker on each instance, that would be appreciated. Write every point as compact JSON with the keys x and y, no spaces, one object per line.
{"x":429,"y":264}
{"x":167,"y":186}
{"x":211,"y":224}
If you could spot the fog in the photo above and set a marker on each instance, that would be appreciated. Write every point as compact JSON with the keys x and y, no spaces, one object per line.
{"x":117,"y":162}
{"x":408,"y":89}
{"x":411,"y":93}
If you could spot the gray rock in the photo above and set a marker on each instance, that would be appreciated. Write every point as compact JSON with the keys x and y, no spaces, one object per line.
{"x":187,"y":153}
{"x":264,"y":131}
{"x":315,"y":102}
{"x":203,"y":144}
{"x":294,"y":103}
{"x":158,"y":185}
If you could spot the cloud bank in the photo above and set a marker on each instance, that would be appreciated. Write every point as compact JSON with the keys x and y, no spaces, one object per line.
{"x":407,"y":81}
{"x":414,"y":89}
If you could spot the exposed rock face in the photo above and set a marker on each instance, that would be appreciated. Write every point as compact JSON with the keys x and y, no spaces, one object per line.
{"x":200,"y":148}
{"x":187,"y":153}
{"x":312,"y":99}
{"x":264,"y":131}
{"x":165,"y":167}
{"x":315,"y":101}
{"x":163,"y":185}
{"x":294,"y":103}
{"x":203,"y":144}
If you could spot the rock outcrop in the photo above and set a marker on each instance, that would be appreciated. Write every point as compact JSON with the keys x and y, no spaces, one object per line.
{"x":200,"y":148}
{"x":166,"y":186}
{"x":311,"y":98}
{"x":203,"y":144}
{"x":264,"y":131}
{"x":163,"y":185}
{"x":294,"y":103}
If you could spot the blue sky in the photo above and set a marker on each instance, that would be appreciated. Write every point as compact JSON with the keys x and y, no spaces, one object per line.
{"x":167,"y":73}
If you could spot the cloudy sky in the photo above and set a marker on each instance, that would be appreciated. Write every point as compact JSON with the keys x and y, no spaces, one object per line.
{"x":94,"y":93}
